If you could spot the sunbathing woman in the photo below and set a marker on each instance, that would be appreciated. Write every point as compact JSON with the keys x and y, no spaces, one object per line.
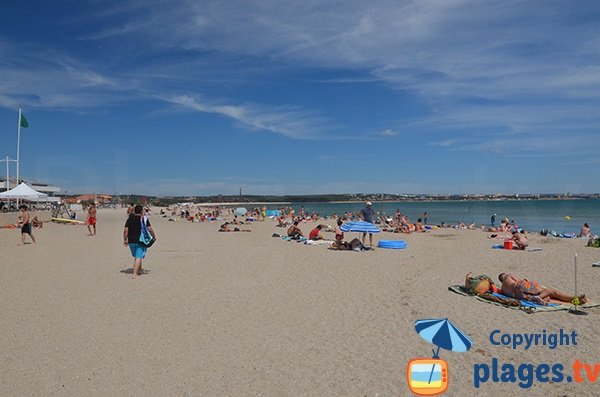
{"x":531,"y":291}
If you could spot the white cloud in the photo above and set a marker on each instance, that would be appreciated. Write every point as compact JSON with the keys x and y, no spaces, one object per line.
{"x":444,"y":143}
{"x":389,"y":133}
{"x":50,"y":80}
{"x":289,"y":122}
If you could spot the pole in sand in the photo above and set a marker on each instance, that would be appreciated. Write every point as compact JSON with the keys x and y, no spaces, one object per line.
{"x":575,"y":301}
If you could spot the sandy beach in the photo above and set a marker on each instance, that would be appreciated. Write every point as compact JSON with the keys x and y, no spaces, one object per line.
{"x":246,"y":314}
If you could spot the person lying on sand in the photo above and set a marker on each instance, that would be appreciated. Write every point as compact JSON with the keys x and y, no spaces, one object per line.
{"x":354,"y":245}
{"x":225,"y":228}
{"x":520,"y":240}
{"x":524,"y":289}
{"x":480,"y":284}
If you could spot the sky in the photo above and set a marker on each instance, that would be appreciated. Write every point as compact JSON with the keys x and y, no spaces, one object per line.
{"x":303,"y":97}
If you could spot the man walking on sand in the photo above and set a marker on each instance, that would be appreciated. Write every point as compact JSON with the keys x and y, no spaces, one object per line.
{"x":91,"y":220}
{"x":131,"y":238}
{"x":25,"y":224}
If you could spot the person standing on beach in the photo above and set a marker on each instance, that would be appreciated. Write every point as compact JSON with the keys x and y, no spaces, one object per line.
{"x":25,"y":224}
{"x":91,"y":220}
{"x":131,"y":238}
{"x":493,"y":220}
{"x":368,"y":215}
{"x":425,"y":218}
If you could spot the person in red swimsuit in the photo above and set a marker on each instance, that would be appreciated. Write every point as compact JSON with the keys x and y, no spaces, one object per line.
{"x":91,"y":220}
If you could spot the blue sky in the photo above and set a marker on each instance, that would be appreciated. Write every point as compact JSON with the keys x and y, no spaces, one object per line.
{"x":302,"y":97}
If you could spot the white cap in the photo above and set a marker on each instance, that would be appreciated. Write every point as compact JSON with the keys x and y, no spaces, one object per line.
{"x":369,"y":203}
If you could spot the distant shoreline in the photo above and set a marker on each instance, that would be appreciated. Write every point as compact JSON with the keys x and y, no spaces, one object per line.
{"x":249,"y":203}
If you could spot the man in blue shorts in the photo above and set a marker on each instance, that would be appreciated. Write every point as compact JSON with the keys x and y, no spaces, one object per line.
{"x":131,"y":238}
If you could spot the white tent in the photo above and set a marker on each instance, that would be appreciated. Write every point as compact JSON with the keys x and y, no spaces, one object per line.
{"x":24,"y":192}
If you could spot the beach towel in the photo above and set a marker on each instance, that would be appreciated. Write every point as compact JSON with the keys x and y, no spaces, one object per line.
{"x":526,"y":306}
{"x":288,"y":238}
{"x":319,"y":242}
{"x":530,"y":249}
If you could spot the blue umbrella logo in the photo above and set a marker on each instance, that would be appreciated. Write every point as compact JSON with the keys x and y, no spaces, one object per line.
{"x":443,"y":334}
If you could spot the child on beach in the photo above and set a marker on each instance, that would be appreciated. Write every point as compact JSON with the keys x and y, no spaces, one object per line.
{"x":585,"y":231}
{"x":25,"y":224}
{"x":91,"y":220}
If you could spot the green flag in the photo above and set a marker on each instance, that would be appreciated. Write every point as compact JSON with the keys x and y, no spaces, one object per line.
{"x":24,"y":122}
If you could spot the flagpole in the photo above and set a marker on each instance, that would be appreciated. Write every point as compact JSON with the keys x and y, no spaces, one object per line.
{"x":18,"y":148}
{"x":8,"y":159}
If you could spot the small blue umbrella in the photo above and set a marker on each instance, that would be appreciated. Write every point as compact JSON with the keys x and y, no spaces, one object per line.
{"x":442,"y":333}
{"x":360,"y":226}
{"x":241,"y":211}
{"x":273,"y":212}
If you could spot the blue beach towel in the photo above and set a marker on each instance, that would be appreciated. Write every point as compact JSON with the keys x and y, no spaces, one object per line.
{"x":524,"y":303}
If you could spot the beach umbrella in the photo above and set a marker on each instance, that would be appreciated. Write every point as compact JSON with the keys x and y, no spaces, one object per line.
{"x":241,"y":211}
{"x":442,"y":333}
{"x":360,"y":226}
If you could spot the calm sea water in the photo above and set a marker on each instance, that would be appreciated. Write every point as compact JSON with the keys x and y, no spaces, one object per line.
{"x":530,"y":215}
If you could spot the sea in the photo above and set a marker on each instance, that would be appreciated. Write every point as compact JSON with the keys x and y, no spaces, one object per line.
{"x":562,"y":216}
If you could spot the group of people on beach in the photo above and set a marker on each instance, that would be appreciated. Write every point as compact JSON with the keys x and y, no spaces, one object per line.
{"x":366,"y":214}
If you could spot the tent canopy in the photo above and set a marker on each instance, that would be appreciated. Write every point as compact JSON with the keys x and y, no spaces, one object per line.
{"x":24,"y":192}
